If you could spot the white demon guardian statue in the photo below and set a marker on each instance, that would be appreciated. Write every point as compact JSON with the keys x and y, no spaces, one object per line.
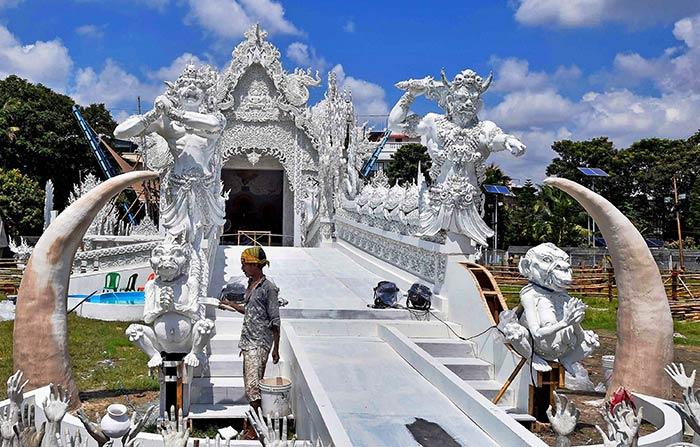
{"x":187,"y":118}
{"x":172,"y":306}
{"x":458,"y":144}
{"x":550,"y":324}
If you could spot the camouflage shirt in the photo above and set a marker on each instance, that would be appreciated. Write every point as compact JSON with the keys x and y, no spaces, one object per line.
{"x":262,"y":311}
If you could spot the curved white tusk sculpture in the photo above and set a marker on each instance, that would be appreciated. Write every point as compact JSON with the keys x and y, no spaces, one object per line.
{"x":41,"y":331}
{"x":644,"y":323}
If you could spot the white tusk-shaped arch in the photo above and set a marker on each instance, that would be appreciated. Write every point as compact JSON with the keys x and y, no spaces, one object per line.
{"x":41,"y":332}
{"x":644,"y":323}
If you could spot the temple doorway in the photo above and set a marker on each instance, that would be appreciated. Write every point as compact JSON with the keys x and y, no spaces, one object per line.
{"x":255,"y":204}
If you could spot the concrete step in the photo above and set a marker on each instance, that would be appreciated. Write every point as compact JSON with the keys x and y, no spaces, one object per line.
{"x":231,"y":365}
{"x":218,"y":411}
{"x":489,"y":389}
{"x":227,"y":324}
{"x":469,"y":368}
{"x":218,"y":390}
{"x":225,"y":344}
{"x":447,"y":347}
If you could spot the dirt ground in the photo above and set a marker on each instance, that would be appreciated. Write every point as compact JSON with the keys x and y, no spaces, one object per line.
{"x":95,"y":403}
{"x":590,"y":404}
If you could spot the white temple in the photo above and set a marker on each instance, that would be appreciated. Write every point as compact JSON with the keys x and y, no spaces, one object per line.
{"x":244,"y":146}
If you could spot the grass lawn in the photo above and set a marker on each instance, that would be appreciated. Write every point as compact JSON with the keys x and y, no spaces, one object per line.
{"x":91,"y":342}
{"x":601,"y":315}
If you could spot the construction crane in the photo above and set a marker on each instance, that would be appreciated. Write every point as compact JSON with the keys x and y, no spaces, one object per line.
{"x":368,"y":167}
{"x":95,"y":145}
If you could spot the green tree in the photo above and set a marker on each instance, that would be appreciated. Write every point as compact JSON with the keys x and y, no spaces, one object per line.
{"x":595,"y":153}
{"x":518,"y":227}
{"x":21,"y":203}
{"x":558,"y":218}
{"x":403,"y":166}
{"x":40,"y":137}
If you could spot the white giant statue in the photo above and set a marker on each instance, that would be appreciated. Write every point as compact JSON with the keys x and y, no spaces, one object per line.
{"x":458,"y":144}
{"x":173,"y":306}
{"x":550,"y":324}
{"x":187,"y":118}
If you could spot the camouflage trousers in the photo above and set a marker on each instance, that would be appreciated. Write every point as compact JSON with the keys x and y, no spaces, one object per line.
{"x":254,"y":362}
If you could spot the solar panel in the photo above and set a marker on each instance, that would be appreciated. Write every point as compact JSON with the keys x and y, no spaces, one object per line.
{"x":498,"y":189}
{"x":593,"y":172}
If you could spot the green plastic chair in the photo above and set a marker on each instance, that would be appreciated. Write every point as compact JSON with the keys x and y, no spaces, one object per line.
{"x":112,"y":281}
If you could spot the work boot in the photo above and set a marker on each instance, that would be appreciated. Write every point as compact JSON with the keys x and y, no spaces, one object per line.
{"x":248,"y":433}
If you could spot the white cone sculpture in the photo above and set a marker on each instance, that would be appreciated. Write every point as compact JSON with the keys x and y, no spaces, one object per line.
{"x":644,"y":323}
{"x":41,"y":331}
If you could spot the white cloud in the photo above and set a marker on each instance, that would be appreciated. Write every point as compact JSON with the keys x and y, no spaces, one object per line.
{"x":368,"y":98}
{"x":46,"y":62}
{"x":231,"y":18}
{"x":349,"y":26}
{"x":173,"y":71}
{"x":523,"y":109}
{"x":90,"y":31}
{"x":672,"y":71}
{"x":111,"y":86}
{"x":270,"y":14}
{"x":305,"y":56}
{"x":580,"y":13}
{"x":514,"y":74}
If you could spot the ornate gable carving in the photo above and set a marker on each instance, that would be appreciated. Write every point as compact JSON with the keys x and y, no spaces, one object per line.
{"x":255,"y":49}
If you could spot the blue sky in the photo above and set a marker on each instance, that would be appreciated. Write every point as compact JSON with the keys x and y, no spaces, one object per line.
{"x":563,"y":69}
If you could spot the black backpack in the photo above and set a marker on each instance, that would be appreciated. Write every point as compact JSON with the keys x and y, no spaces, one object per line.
{"x":385,"y":294}
{"x":419,"y":297}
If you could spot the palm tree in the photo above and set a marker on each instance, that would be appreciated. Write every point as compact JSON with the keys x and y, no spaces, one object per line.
{"x":558,"y":219}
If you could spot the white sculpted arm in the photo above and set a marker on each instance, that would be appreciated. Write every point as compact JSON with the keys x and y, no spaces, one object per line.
{"x":196,"y":120}
{"x":151,"y":121}
{"x":493,"y":138}
{"x":398,"y":114}
{"x":572,"y":313}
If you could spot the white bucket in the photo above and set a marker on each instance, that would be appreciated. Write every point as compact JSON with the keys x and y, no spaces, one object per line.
{"x":275,"y":396}
{"x":608,"y":363}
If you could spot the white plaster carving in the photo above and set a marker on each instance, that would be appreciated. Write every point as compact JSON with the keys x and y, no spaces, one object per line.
{"x":186,"y":117}
{"x":458,"y":144}
{"x":115,"y":256}
{"x":172,"y":306}
{"x":22,"y":251}
{"x":563,"y":419}
{"x":107,"y":221}
{"x":146,"y":227}
{"x":426,"y":264}
{"x":551,"y":322}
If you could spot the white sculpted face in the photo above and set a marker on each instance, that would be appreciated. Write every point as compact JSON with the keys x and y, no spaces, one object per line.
{"x":191,"y":97}
{"x":169,"y":260}
{"x":548,"y":266}
{"x":464,"y":100}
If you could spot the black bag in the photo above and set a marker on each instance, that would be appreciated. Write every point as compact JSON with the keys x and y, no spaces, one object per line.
{"x":234,"y":291}
{"x":419,"y":297}
{"x":385,"y":294}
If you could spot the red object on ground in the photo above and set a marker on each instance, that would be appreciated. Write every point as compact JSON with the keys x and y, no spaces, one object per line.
{"x":619,"y":396}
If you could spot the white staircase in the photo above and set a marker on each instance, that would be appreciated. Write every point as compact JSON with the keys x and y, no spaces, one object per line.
{"x":460,"y":357}
{"x":219,"y":393}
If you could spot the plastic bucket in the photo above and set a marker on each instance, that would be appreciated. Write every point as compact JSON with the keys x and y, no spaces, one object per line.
{"x":275,"y":393}
{"x":608,"y":363}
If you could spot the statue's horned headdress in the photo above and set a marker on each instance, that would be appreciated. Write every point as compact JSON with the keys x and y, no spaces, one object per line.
{"x":204,"y":77}
{"x":468,"y":79}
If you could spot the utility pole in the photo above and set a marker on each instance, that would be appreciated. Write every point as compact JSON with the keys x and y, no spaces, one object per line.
{"x":678,"y":223}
